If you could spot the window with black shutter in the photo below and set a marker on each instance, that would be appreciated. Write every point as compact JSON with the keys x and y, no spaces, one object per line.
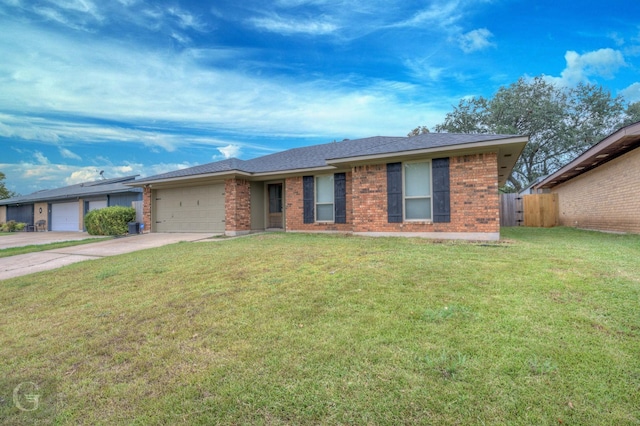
{"x":308,"y":204}
{"x":394,"y":192}
{"x":419,"y":191}
{"x":340,"y":194}
{"x":441,"y":190}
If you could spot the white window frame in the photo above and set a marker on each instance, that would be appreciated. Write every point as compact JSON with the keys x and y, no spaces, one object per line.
{"x":332,"y":203}
{"x":405,"y":197}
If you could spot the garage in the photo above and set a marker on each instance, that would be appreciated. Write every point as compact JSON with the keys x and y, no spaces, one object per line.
{"x":191,"y":209}
{"x":65,"y":217}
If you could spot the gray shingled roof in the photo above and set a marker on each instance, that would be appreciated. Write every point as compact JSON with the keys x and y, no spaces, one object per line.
{"x":86,"y":189}
{"x":317,"y":155}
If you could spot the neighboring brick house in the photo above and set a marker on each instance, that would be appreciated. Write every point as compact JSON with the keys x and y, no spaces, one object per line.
{"x":600,"y":189}
{"x":63,"y":209}
{"x":435,"y":185}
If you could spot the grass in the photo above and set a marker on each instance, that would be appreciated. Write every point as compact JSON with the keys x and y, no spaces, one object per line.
{"x":541,"y":328}
{"x":14,"y":251}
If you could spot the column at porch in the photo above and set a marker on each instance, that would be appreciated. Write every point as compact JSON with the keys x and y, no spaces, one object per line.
{"x":146,"y":208}
{"x":237,"y":200}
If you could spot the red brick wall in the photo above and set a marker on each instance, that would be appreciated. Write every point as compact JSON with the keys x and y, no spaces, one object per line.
{"x":294,"y":209}
{"x":606,"y":198}
{"x":474,"y":200}
{"x":237,"y":202}
{"x":146,"y":208}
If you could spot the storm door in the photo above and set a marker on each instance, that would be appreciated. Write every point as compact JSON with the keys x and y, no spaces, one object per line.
{"x":274,"y":216}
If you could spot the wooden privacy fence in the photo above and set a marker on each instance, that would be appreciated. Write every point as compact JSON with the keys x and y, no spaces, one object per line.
{"x":540,"y":210}
{"x":511,"y":210}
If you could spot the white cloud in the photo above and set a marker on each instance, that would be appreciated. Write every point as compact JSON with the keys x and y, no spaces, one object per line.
{"x":230,"y":151}
{"x":599,"y":63}
{"x":632,"y":93}
{"x":186,"y":20}
{"x":146,"y":86}
{"x":68,"y":154}
{"x":441,"y":14}
{"x":285,"y":26}
{"x":40,"y":158}
{"x":82,"y":175}
{"x":90,"y":174}
{"x":476,"y":40}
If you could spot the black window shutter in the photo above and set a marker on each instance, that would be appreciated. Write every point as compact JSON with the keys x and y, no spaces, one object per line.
{"x":308,"y":199}
{"x":340,"y":197}
{"x":441,"y":201}
{"x":394,"y":192}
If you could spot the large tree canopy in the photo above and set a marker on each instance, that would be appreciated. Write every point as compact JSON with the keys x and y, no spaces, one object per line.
{"x":4,"y":192}
{"x":560,"y":122}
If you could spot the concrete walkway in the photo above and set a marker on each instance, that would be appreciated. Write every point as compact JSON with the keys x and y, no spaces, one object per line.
{"x":24,"y":264}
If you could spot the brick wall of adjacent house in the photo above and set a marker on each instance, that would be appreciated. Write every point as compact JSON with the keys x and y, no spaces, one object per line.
{"x":146,"y":208}
{"x":294,"y":209}
{"x":237,"y":205}
{"x":606,"y":198}
{"x":473,"y":194}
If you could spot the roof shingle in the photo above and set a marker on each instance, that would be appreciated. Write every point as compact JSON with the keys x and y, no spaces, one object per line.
{"x":317,"y":155}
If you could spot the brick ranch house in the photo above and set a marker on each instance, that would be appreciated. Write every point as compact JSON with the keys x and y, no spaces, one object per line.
{"x":599,"y":189}
{"x":432,"y":185}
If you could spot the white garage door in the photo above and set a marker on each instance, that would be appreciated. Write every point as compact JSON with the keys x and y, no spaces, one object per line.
{"x":65,"y":217}
{"x":191,"y":209}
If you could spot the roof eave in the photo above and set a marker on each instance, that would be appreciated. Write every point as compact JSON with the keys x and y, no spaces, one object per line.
{"x":201,"y":176}
{"x":569,"y":171}
{"x":69,"y":196}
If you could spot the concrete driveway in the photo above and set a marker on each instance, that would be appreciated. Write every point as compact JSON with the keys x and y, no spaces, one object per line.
{"x":24,"y":264}
{"x":20,"y":239}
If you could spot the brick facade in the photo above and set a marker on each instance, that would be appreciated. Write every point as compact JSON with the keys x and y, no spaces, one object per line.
{"x":606,"y":198}
{"x":237,"y":206}
{"x":294,"y":209}
{"x":474,"y":203}
{"x":474,"y":200}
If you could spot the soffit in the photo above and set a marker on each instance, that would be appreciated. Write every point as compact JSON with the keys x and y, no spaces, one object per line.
{"x":613,"y":146}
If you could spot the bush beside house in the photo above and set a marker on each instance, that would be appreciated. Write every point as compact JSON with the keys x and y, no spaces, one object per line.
{"x":110,"y":220}
{"x":12,"y":226}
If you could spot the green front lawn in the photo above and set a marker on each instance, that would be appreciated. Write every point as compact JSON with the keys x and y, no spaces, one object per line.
{"x":542,"y":328}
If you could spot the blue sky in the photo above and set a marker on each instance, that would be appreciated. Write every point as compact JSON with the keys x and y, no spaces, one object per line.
{"x":144,"y":87}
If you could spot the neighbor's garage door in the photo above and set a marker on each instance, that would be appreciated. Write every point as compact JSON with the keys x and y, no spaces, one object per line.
{"x":65,"y":217}
{"x":191,"y":209}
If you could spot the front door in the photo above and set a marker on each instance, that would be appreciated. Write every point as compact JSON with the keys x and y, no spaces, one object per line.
{"x":274,"y":216}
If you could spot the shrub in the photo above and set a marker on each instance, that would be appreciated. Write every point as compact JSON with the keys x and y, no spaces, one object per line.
{"x":12,"y":226}
{"x":110,"y":220}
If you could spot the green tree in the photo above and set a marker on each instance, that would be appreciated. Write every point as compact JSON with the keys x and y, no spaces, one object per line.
{"x":4,"y":192}
{"x":632,"y":114}
{"x":418,"y":131}
{"x":560,"y":122}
